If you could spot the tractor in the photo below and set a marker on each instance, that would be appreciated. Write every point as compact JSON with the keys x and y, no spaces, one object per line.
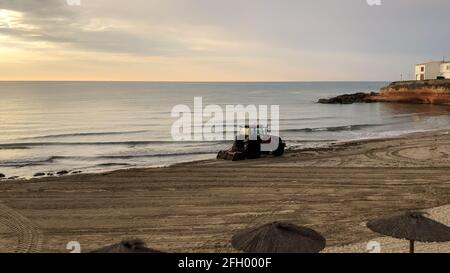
{"x":251,"y":143}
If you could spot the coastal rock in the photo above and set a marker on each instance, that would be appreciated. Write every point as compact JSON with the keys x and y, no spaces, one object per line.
{"x":62,"y":172}
{"x":39,"y":174}
{"x":424,"y":92}
{"x":76,"y":172}
{"x":351,"y":98}
{"x":13,"y":178}
{"x":2,"y":175}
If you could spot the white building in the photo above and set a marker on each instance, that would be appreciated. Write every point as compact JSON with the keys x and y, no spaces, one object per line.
{"x":433,"y":70}
{"x":445,"y":70}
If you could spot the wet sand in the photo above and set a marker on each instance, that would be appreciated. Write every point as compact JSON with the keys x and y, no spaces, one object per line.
{"x":197,"y":207}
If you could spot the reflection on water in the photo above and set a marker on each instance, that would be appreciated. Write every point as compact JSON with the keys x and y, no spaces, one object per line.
{"x":411,"y":109}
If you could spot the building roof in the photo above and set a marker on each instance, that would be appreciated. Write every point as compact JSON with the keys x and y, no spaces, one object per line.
{"x":441,"y":62}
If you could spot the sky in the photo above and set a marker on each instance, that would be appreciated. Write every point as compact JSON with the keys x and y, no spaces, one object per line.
{"x":217,"y":40}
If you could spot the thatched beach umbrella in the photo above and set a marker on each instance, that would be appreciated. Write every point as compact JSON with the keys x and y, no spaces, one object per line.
{"x":412,"y":226}
{"x":278,"y":237}
{"x":129,"y":246}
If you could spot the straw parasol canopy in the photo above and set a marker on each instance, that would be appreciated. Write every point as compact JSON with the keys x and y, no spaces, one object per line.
{"x":412,"y":226}
{"x":278,"y":237}
{"x":128,"y":246}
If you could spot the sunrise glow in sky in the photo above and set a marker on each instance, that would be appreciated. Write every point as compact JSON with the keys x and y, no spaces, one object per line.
{"x":209,"y":40}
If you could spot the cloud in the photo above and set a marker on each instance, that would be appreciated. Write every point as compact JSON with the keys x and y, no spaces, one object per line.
{"x":235,"y":36}
{"x":54,"y":21}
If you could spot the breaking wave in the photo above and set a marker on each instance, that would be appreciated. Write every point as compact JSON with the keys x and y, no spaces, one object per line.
{"x":334,"y":128}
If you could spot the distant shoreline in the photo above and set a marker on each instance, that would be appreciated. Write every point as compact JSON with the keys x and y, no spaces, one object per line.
{"x":436,"y":92}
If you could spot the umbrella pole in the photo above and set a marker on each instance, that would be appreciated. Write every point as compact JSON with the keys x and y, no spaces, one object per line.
{"x":411,"y":246}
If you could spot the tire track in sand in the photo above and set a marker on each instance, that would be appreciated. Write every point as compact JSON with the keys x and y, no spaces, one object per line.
{"x":29,"y":235}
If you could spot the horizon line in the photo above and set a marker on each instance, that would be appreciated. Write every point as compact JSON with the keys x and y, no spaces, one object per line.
{"x":145,"y":81}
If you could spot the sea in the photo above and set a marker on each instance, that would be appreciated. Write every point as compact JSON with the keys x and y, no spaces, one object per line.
{"x":102,"y":126}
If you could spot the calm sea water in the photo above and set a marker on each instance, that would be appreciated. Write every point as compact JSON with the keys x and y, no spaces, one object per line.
{"x":86,"y":126}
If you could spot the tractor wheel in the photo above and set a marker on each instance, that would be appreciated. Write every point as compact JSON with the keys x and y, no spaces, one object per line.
{"x":253,"y":149}
{"x":280,"y":149}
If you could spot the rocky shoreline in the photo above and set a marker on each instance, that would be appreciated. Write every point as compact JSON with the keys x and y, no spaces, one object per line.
{"x":424,"y":92}
{"x":418,"y":92}
{"x":351,"y":98}
{"x":40,"y":175}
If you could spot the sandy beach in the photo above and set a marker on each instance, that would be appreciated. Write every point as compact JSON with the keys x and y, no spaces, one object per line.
{"x":197,"y":207}
{"x":392,"y":245}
